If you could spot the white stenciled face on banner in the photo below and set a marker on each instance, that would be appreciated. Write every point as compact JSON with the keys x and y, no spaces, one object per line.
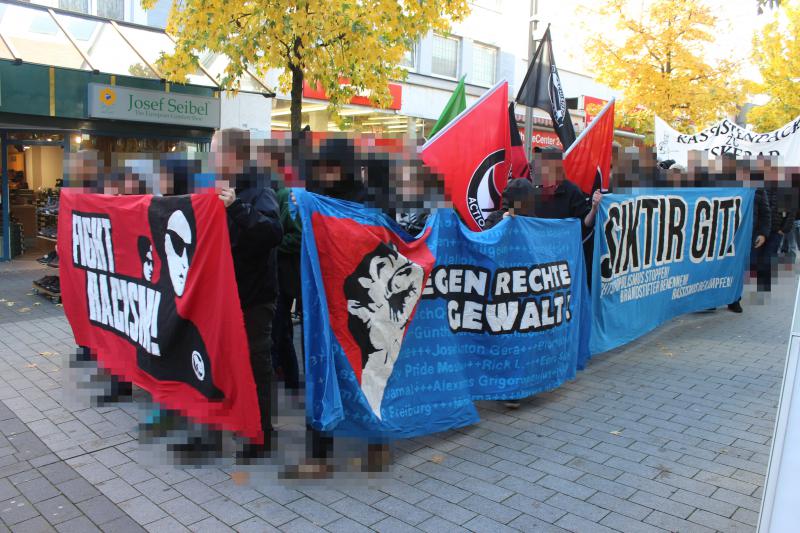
{"x":147,"y":267}
{"x":390,"y":287}
{"x":176,"y":243}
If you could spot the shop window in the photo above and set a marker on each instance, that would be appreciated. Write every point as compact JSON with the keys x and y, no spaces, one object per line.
{"x":111,"y":9}
{"x":484,"y":64}
{"x":445,"y":55}
{"x":410,"y":58}
{"x":81,"y":6}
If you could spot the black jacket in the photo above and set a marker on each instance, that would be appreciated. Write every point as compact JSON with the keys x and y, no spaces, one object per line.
{"x":567,"y":201}
{"x":761,"y":214}
{"x":782,"y":205}
{"x":255,"y":229}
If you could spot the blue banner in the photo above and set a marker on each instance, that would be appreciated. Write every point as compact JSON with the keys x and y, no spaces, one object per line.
{"x":660,"y":253}
{"x":403,"y":333}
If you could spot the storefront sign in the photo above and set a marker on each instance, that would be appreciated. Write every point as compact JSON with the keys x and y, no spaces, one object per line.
{"x":126,"y":103}
{"x":543,"y":139}
{"x":395,"y":89}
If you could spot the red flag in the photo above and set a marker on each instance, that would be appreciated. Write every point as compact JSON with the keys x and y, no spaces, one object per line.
{"x":471,"y":153}
{"x":587,"y":162}
{"x":519,"y":161}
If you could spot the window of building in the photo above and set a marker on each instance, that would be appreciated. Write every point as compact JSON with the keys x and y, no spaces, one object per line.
{"x":445,"y":56}
{"x":111,"y":9}
{"x":410,"y":58}
{"x":484,"y":64}
{"x":81,"y":6}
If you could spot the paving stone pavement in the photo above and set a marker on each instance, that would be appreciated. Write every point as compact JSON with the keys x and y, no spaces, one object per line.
{"x":670,"y":433}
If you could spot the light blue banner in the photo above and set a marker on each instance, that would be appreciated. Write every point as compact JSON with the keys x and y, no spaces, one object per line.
{"x":403,"y":333}
{"x":660,"y":253}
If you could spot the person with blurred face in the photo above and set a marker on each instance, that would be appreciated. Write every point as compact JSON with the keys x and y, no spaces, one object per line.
{"x":553,"y":196}
{"x":255,"y":233}
{"x":762,"y":217}
{"x":556,"y":196}
{"x":782,"y":204}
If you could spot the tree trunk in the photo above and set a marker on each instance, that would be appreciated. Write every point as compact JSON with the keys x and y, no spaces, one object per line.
{"x":297,"y":100}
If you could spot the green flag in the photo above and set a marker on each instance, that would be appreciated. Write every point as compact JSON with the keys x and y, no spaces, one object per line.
{"x":456,"y":104}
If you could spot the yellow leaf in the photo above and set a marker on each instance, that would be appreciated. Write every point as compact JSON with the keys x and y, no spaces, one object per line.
{"x":347,"y":47}
{"x":659,"y":62}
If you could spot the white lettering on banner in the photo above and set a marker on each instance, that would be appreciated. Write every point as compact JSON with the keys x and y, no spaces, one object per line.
{"x":726,"y":137}
{"x":522,"y":299}
{"x":116,"y":303}
{"x":644,"y":235}
{"x":648,"y":231}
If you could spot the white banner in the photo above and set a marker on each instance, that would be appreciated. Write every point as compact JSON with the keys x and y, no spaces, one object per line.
{"x":725,"y":137}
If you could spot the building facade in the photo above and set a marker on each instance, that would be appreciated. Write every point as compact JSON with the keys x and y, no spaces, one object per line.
{"x":71,"y":82}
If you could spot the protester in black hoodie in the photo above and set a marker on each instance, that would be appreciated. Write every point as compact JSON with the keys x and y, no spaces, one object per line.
{"x":519,"y":198}
{"x":759,"y":260}
{"x":255,"y":232}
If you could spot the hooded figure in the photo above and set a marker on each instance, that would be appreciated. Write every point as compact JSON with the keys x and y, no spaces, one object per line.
{"x":183,"y":355}
{"x":519,"y":195}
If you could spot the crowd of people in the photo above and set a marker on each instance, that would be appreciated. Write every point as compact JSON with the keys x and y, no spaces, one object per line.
{"x":253,"y":180}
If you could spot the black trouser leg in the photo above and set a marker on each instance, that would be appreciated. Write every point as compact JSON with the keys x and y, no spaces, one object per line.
{"x":258,"y":323}
{"x":283,"y":339}
{"x":318,"y":444}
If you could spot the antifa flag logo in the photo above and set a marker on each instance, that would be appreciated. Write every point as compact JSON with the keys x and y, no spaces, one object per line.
{"x":382,"y":293}
{"x":483,"y":198}
{"x":557,"y":100}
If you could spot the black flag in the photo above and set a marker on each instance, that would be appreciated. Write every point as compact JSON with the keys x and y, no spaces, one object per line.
{"x":519,"y":161}
{"x":542,"y":88}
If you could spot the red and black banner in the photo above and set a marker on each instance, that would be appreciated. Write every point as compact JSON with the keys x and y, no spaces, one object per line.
{"x":148,"y":285}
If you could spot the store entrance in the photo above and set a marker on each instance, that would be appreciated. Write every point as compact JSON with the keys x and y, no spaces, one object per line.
{"x":32,"y":175}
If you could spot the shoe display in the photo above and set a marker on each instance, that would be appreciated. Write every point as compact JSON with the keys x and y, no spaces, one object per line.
{"x":51,"y":232}
{"x":50,"y":207}
{"x":45,"y":259}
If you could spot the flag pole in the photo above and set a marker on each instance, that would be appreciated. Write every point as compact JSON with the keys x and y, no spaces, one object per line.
{"x":529,"y":110}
